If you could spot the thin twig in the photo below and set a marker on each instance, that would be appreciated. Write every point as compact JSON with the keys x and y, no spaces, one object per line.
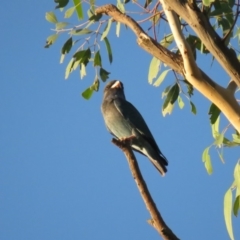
{"x":152,"y":16}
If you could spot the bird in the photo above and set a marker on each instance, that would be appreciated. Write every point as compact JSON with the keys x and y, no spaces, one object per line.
{"x":124,"y":121}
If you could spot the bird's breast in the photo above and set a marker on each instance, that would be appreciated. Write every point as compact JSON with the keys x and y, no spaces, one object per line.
{"x":116,"y":123}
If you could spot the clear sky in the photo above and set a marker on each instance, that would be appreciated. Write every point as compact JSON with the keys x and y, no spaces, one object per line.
{"x":60,"y":175}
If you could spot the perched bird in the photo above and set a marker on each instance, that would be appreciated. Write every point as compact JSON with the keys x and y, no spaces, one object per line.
{"x":124,"y":121}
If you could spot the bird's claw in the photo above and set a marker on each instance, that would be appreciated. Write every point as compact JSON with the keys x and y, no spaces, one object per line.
{"x":127,"y":139}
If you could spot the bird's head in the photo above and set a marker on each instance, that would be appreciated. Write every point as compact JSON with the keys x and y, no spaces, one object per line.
{"x":114,"y":89}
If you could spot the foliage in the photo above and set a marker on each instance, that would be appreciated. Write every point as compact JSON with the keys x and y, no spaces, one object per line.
{"x":228,"y":202}
{"x":89,"y":39}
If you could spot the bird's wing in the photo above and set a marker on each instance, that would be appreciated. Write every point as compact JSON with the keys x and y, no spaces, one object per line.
{"x":135,"y":119}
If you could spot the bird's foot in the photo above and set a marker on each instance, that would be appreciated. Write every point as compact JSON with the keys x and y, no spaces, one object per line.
{"x":127,"y":140}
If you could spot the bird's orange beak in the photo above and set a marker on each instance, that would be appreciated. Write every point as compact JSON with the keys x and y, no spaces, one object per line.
{"x":117,"y":84}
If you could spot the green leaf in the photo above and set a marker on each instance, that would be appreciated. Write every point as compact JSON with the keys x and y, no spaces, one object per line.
{"x":161,"y":78}
{"x":90,"y":13}
{"x":168,"y":109}
{"x":61,"y":25}
{"x":79,"y":55}
{"x":92,"y":3}
{"x":214,"y":113}
{"x":118,"y":29}
{"x":229,"y":143}
{"x":224,"y":24}
{"x":50,"y":17}
{"x":236,"y":138}
{"x":95,"y":17}
{"x":97,"y":59}
{"x":228,"y":11}
{"x":165,"y":92}
{"x":120,"y":6}
{"x":194,"y":41}
{"x":82,"y":71}
{"x":106,"y":30}
{"x":50,"y":40}
{"x":155,"y":19}
{"x":83,"y":56}
{"x":81,"y":31}
{"x":76,"y":64}
{"x":231,"y":3}
{"x":236,"y":206}
{"x":207,"y":160}
{"x":79,"y":10}
{"x":96,"y":84}
{"x":87,"y":93}
{"x":237,"y":192}
{"x":207,"y":3}
{"x":103,"y":74}
{"x":180,"y":102}
{"x":167,"y":40}
{"x":154,"y":68}
{"x":61,"y":3}
{"x":215,"y":128}
{"x":147,"y":2}
{"x":69,"y":68}
{"x":62,"y":58}
{"x":171,"y":97}
{"x":216,"y":4}
{"x":67,"y":46}
{"x":189,"y":88}
{"x":216,"y":13}
{"x":69,"y":12}
{"x":109,"y":50}
{"x":237,"y":175}
{"x":193,"y":108}
{"x":228,"y":212}
{"x":193,"y":44}
{"x":203,"y":49}
{"x":219,"y":140}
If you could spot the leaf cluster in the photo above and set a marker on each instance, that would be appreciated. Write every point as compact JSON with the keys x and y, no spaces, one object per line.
{"x":89,"y":50}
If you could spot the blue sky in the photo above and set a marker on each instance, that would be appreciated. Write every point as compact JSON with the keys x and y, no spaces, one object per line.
{"x":60,"y":175}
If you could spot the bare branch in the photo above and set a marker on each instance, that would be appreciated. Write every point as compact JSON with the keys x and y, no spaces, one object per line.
{"x":157,"y":221}
{"x":190,"y":66}
{"x":173,"y":60}
{"x":189,"y":11}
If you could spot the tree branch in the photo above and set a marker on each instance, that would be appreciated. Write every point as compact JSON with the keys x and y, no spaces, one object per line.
{"x":190,"y":66}
{"x":218,"y":95}
{"x":189,"y":11}
{"x":157,"y":221}
{"x":173,"y":60}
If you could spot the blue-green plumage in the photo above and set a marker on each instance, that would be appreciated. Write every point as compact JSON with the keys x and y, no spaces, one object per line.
{"x":123,"y":120}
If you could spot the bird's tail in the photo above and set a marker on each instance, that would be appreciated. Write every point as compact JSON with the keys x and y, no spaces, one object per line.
{"x":159,"y":163}
{"x":152,"y":153}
